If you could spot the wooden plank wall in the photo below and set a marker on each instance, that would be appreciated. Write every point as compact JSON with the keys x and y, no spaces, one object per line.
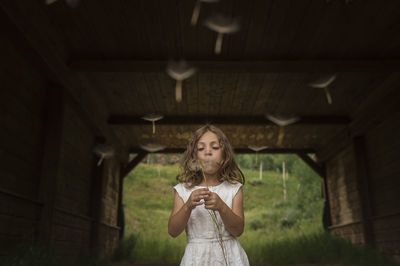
{"x":108,"y":225}
{"x":344,"y":196}
{"x":363,"y":163}
{"x":21,"y":144}
{"x":23,"y":119}
{"x":383,"y":144}
{"x":72,"y":221}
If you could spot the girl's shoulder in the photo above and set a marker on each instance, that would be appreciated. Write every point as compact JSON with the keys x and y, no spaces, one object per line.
{"x":185,"y":186}
{"x":183,"y":190}
{"x":232,"y":187}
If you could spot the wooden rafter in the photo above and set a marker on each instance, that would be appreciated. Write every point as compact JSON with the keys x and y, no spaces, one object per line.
{"x":224,"y":120}
{"x":313,"y":164}
{"x":237,"y":66}
{"x":132,"y":164}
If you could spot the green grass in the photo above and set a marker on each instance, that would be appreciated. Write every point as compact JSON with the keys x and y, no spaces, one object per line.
{"x":276,"y":231}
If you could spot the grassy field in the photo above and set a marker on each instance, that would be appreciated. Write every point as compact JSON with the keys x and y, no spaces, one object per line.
{"x":277,"y":231}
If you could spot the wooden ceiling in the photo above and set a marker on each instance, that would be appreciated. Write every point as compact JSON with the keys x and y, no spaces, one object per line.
{"x":117,"y":51}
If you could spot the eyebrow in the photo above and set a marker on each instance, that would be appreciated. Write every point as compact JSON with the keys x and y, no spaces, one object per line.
{"x":212,"y":142}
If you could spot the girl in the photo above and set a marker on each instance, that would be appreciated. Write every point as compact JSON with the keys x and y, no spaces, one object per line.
{"x":208,"y":202}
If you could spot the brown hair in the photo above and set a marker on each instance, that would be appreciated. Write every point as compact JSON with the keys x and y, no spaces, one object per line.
{"x":228,"y":170}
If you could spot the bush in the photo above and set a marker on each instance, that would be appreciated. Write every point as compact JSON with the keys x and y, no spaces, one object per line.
{"x":256,"y":223}
{"x":256,"y":182}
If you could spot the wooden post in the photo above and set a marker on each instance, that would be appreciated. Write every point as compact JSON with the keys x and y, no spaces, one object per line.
{"x":96,"y":199}
{"x":363,"y":187}
{"x":53,"y":134}
{"x":121,"y":218}
{"x":326,"y":215}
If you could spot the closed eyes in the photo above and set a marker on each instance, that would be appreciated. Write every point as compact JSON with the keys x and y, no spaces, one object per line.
{"x":214,"y":148}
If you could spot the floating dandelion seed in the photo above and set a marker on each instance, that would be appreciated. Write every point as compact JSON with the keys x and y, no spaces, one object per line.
{"x":222,"y":25}
{"x":194,"y":166}
{"x":257,"y":149}
{"x":323,"y":83}
{"x":179,"y":71}
{"x":196,"y":10}
{"x":282,"y":120}
{"x":104,"y":151}
{"x":152,"y":147}
{"x":70,"y":3}
{"x":153,"y":118}
{"x":200,"y":165}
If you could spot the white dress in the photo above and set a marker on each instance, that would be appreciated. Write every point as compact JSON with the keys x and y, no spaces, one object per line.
{"x":203,"y":248}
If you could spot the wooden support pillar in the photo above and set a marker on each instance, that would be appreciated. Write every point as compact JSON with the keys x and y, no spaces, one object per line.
{"x":96,"y":199}
{"x":121,"y":216}
{"x":53,"y":134}
{"x":363,"y":188}
{"x":326,"y":215}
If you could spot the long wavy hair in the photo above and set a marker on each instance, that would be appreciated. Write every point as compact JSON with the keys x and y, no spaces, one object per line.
{"x":228,"y":169}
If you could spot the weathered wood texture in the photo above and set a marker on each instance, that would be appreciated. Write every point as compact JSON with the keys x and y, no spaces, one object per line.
{"x":71,"y":233}
{"x":377,"y":120}
{"x":383,"y":144}
{"x":108,"y":231}
{"x":21,"y":143}
{"x":344,"y":196}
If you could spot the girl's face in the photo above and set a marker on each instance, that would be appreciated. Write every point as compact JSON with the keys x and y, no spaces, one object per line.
{"x":208,"y":149}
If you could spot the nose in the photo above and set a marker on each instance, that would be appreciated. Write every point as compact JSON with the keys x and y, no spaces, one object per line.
{"x":208,"y":151}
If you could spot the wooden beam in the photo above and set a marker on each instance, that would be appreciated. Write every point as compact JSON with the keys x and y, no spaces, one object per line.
{"x":313,"y":164}
{"x":225,"y":120}
{"x":53,"y":135}
{"x":236,"y":150}
{"x":238,"y":66}
{"x":135,"y":161}
{"x":363,"y":185}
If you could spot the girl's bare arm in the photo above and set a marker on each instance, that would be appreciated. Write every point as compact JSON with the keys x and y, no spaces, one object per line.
{"x":233,"y":218}
{"x":181,"y":211}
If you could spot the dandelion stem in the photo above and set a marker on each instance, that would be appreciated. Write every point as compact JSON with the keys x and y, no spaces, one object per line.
{"x":217,"y":225}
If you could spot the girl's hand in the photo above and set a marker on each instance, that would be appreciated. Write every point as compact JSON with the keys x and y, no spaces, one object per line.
{"x":196,"y":196}
{"x":213,"y":202}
